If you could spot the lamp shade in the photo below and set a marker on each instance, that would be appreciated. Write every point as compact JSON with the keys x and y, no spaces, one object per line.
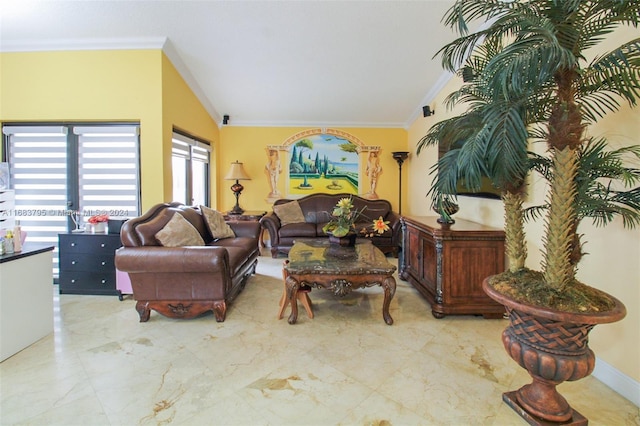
{"x":236,"y":172}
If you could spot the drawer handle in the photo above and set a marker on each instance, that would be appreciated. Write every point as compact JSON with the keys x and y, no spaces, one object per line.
{"x":73,"y":262}
{"x":103,"y":263}
{"x":102,"y":245}
{"x":73,"y":281}
{"x":73,"y":244}
{"x":104,"y":281}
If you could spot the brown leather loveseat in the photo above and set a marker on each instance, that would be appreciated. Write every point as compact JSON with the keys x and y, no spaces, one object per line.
{"x":317,"y":209}
{"x":184,"y":282}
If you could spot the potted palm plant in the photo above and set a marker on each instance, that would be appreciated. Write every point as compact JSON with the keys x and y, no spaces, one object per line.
{"x":528,"y":79}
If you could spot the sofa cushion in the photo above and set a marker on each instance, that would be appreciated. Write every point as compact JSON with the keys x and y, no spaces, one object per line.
{"x":216,"y":224}
{"x":179,"y":232}
{"x":289,"y":213}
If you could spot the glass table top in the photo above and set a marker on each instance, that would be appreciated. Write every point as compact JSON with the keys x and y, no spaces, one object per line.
{"x":318,"y":256}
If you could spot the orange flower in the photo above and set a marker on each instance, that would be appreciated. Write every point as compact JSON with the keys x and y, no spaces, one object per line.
{"x":380,"y":225}
{"x":98,"y":218}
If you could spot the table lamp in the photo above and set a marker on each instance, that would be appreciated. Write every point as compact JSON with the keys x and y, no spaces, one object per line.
{"x":237,"y":173}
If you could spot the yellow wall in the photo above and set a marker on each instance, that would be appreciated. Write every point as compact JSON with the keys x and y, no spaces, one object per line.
{"x":88,"y":86}
{"x":613,"y":262}
{"x":123,"y":85}
{"x":248,"y":144}
{"x":182,"y":110}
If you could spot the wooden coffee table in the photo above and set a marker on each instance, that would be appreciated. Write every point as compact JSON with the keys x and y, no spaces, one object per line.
{"x":315,"y":263}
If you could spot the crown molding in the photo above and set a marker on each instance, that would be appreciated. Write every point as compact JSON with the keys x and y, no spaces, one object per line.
{"x":84,"y":44}
{"x":182,"y":69}
{"x":430,"y":96}
{"x":306,"y":124}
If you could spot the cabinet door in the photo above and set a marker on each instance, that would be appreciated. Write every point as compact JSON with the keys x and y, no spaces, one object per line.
{"x":468,"y":263}
{"x":413,"y":252}
{"x":429,"y":262}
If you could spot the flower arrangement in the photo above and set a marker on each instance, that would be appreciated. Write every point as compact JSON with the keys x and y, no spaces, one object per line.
{"x":379,"y":227}
{"x":99,"y":218}
{"x":344,"y":218}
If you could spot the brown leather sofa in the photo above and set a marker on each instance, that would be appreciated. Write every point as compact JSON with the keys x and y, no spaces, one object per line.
{"x":184,"y":282}
{"x":317,"y":210}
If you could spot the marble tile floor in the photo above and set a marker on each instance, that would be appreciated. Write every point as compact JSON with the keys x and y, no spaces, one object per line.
{"x":101,"y":366}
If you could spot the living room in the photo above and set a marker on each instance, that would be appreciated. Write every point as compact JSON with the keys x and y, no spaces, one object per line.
{"x":145,"y":85}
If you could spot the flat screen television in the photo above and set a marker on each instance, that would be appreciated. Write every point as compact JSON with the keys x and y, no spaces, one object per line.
{"x":487,"y":190}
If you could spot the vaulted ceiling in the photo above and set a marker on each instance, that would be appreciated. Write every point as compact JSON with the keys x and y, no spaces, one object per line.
{"x":360,"y":63}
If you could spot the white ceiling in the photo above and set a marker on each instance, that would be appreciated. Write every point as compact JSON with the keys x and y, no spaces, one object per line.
{"x":360,"y":63}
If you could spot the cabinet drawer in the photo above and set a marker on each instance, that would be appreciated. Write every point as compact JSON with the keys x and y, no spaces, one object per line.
{"x":87,"y":262}
{"x":89,"y":243}
{"x":82,"y":280}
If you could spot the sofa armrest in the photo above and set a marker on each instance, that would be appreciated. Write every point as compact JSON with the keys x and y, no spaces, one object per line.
{"x":246,"y":229}
{"x":396,"y":227}
{"x":172,"y":259}
{"x":271,"y":223}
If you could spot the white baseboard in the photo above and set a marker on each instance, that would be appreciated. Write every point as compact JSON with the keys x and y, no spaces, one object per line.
{"x":616,"y":380}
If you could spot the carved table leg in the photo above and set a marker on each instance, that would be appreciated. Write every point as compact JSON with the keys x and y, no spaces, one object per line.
{"x":284,"y":301}
{"x":389,"y":286}
{"x":303,"y":297}
{"x":292,"y":293}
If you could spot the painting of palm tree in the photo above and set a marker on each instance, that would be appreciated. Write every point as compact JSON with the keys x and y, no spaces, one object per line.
{"x":323,"y":163}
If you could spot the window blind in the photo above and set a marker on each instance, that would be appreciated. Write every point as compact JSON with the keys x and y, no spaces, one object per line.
{"x":190,"y":169}
{"x":60,"y":170}
{"x":108,"y":170}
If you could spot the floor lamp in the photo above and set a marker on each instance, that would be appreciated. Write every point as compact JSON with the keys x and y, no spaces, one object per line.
{"x":400,"y":157}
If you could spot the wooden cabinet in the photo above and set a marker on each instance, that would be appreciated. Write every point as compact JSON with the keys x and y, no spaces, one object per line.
{"x":87,"y":263}
{"x":447,"y":264}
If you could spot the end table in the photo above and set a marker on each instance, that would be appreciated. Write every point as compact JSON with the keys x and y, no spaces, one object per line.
{"x":248,"y":216}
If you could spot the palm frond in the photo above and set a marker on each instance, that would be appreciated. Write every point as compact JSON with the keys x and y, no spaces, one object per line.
{"x":616,"y":72}
{"x":535,"y":213}
{"x":600,"y":171}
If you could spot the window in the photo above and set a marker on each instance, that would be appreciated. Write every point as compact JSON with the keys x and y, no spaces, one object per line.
{"x":65,"y":169}
{"x":190,"y":169}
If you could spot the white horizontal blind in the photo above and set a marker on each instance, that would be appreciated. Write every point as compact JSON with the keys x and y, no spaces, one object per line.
{"x":108,"y":170}
{"x":179,"y":148}
{"x":38,"y":166}
{"x":190,"y":162}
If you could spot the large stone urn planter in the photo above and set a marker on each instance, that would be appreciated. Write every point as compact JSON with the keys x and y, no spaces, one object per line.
{"x":553,"y":346}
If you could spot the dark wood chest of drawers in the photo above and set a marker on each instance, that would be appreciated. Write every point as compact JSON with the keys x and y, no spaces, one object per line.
{"x":87,"y":263}
{"x":447,"y":264}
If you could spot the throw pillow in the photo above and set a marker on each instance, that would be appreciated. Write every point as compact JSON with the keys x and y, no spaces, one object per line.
{"x":178,"y":232}
{"x":216,"y":224}
{"x":289,"y":213}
